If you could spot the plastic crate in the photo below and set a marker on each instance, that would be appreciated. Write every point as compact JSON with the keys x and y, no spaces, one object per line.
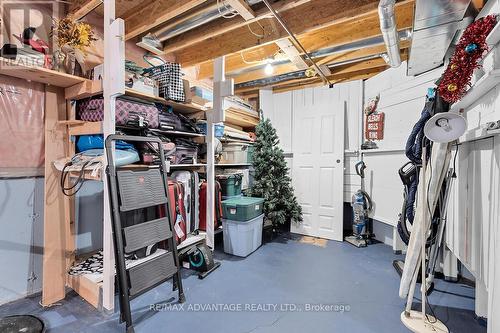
{"x":234,"y":153}
{"x":230,"y":184}
{"x":242,"y":208}
{"x":242,"y":238}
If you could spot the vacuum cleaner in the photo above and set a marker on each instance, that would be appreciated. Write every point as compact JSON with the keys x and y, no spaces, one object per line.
{"x":361,"y":204}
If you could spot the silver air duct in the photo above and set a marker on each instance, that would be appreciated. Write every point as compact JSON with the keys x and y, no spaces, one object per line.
{"x":389,"y":31}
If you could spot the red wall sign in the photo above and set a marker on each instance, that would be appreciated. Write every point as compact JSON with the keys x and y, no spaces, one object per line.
{"x":374,"y":126}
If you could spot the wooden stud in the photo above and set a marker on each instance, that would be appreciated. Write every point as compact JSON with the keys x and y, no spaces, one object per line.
{"x":54,"y":256}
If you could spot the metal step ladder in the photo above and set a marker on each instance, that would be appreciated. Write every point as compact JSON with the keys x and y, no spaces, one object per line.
{"x":132,"y":189}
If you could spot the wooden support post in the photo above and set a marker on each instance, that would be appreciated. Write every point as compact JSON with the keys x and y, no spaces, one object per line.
{"x":113,"y":85}
{"x":54,"y":256}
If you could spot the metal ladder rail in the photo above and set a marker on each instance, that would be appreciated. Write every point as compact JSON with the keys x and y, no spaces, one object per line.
{"x":123,"y":277}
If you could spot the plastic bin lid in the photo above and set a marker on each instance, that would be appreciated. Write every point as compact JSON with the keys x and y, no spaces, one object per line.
{"x":230,"y":175}
{"x":243,"y":201}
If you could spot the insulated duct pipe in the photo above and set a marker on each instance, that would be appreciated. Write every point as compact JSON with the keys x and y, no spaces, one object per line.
{"x":389,"y":31}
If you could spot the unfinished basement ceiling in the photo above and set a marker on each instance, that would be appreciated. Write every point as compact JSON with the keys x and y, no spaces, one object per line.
{"x":342,"y":37}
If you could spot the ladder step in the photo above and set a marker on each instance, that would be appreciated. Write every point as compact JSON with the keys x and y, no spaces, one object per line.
{"x":147,"y":233}
{"x":140,"y":189}
{"x":149,"y":274}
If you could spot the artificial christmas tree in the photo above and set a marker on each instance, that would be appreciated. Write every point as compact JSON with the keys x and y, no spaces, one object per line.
{"x":271,"y":180}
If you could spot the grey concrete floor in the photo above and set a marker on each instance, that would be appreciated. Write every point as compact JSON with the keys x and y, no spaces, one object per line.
{"x":279,"y":288}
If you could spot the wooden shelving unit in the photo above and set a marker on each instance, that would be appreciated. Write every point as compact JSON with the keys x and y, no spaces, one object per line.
{"x":38,"y":74}
{"x":61,"y":128}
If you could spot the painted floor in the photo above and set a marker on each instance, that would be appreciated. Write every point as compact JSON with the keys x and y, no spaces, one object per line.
{"x":285,"y":286}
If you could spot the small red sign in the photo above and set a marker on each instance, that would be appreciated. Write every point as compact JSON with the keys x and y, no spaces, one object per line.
{"x":374,"y":126}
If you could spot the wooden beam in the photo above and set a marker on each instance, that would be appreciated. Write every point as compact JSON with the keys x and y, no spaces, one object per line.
{"x":337,"y":25}
{"x":292,"y":53}
{"x":81,"y":8}
{"x":156,"y":13}
{"x":242,"y":8}
{"x":239,"y":60}
{"x":221,"y":26}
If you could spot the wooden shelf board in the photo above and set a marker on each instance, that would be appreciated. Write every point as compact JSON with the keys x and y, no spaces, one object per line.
{"x":83,"y":90}
{"x":229,"y":165}
{"x":38,"y":74}
{"x":87,"y":175}
{"x":80,"y":127}
{"x":180,"y":107}
{"x":177,"y":133}
{"x":181,"y":166}
{"x":235,"y":117}
{"x":86,"y":287}
{"x":487,"y":82}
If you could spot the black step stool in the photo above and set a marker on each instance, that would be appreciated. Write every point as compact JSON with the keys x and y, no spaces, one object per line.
{"x":132,"y":189}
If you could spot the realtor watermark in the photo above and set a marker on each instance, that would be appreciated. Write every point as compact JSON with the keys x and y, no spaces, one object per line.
{"x":22,"y":21}
{"x":249,"y":307}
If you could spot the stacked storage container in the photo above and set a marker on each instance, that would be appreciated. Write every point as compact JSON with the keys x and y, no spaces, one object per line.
{"x":242,"y":225}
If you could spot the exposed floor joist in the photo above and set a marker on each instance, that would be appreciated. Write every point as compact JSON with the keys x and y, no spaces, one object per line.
{"x":300,"y":20}
{"x":156,"y":13}
{"x":292,"y":53}
{"x":80,"y":8}
{"x":222,"y":26}
{"x":242,"y":62}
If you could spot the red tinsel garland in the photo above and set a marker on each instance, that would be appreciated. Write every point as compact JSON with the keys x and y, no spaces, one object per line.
{"x":471,"y":48}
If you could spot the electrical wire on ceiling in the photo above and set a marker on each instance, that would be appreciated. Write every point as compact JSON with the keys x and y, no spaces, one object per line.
{"x":255,"y":34}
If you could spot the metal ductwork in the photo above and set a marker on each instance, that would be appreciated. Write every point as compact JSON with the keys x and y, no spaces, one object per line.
{"x":389,"y":31}
{"x":203,"y":17}
{"x":434,"y":27}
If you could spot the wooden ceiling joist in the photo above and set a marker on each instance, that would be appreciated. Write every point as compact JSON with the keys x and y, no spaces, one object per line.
{"x":221,"y":26}
{"x":80,"y":8}
{"x":292,"y":53}
{"x":336,"y":25}
{"x":156,"y":13}
{"x":242,"y":8}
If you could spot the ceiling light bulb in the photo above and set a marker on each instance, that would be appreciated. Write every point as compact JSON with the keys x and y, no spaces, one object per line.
{"x":269,"y":69}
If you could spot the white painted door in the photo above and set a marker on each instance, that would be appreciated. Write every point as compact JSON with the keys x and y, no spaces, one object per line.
{"x":318,"y":161}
